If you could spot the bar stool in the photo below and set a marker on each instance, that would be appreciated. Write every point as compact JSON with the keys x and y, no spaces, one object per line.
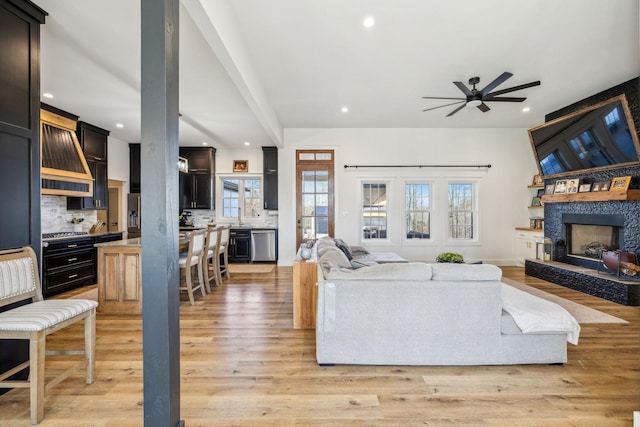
{"x":212,"y":244}
{"x":223,"y":253}
{"x":193,"y":257}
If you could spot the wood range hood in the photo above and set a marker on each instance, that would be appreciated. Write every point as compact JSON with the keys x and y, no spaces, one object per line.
{"x":64,"y":169}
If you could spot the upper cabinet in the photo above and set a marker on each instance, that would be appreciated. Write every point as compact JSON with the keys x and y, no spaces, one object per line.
{"x":93,"y":141}
{"x":197,"y":185}
{"x":270,"y":169}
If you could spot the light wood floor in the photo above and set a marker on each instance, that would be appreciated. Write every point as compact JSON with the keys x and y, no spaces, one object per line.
{"x":243,"y":365}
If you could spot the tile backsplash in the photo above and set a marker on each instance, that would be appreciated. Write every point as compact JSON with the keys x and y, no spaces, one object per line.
{"x":55,"y":217}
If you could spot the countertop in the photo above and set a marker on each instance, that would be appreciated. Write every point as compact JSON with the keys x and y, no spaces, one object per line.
{"x":81,"y":236}
{"x":137,"y":242}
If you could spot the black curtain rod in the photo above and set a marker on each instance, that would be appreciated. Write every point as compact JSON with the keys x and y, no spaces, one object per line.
{"x":417,"y":166}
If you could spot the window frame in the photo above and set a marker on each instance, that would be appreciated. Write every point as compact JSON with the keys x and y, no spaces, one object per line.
{"x":389,"y":214}
{"x":241,"y":201}
{"x":433,"y":215}
{"x":475,"y":184}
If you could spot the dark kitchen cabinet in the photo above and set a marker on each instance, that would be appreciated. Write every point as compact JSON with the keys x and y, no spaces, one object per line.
{"x":197,"y":190}
{"x":19,"y":144}
{"x":134,"y":168}
{"x":239,"y":245}
{"x":270,"y":169}
{"x":68,"y":264}
{"x":93,"y":141}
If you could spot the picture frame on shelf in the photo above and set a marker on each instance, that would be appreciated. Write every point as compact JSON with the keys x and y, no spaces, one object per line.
{"x":601,"y":186}
{"x":536,"y":201}
{"x":561,"y":187}
{"x":537,"y":180}
{"x":549,"y":189}
{"x":541,"y":192}
{"x":241,"y":165}
{"x":572,"y":185}
{"x":620,"y":183}
{"x":584,"y":188}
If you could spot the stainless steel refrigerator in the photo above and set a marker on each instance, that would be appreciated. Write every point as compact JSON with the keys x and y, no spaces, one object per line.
{"x":133,"y":215}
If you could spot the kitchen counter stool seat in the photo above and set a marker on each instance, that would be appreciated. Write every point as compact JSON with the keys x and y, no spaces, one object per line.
{"x":18,"y":282}
{"x":193,"y":258}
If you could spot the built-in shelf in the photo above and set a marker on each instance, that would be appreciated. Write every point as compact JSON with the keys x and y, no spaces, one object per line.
{"x":536,"y":207}
{"x":595,"y":196}
{"x":530,"y":229}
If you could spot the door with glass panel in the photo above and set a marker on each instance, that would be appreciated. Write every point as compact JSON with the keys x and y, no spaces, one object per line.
{"x":314,"y":187}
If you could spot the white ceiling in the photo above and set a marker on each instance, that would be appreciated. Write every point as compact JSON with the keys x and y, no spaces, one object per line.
{"x":250,"y":68}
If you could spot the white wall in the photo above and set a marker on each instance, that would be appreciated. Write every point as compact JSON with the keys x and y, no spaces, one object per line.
{"x":503,"y":195}
{"x":118,"y":169}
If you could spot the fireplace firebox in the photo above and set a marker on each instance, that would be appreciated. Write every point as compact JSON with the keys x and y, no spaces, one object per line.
{"x":588,"y":235}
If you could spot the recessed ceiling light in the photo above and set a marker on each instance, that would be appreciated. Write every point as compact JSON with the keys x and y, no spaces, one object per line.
{"x":205,"y":143}
{"x":345,"y":109}
{"x":47,"y":95}
{"x":119,"y":125}
{"x":526,"y":109}
{"x":368,"y":22}
{"x":247,"y":143}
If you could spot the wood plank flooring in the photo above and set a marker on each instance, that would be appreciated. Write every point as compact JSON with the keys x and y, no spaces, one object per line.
{"x":242,"y":364}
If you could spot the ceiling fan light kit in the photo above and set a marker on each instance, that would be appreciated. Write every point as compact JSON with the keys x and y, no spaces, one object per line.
{"x":478,"y":98}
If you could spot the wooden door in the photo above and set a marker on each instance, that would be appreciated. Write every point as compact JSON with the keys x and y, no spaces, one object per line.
{"x":314,"y":194}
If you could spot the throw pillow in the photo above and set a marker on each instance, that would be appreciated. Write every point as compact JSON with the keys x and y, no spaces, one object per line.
{"x":357,"y":251}
{"x":333,"y":259}
{"x":344,"y":248}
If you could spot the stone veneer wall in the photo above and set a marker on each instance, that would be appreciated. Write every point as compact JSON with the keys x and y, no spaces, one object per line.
{"x":55,"y":217}
{"x":554,"y":229}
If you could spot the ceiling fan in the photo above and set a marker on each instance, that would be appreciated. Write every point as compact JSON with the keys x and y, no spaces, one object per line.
{"x":477,"y":97}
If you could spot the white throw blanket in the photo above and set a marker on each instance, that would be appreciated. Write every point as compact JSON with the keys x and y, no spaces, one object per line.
{"x":533,"y":314}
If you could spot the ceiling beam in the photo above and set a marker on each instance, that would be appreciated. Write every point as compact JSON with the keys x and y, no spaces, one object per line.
{"x":218,"y":27}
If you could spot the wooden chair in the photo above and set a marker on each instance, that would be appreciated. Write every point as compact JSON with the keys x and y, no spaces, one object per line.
{"x":34,"y":321}
{"x":223,"y":253}
{"x":211,"y":244}
{"x":193,"y":258}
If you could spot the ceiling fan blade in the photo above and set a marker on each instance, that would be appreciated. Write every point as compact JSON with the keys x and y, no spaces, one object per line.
{"x":442,"y":97}
{"x":504,"y":99}
{"x":457,"y":109}
{"x":463,"y":88}
{"x":499,"y":80}
{"x":483,"y":107}
{"x":445,"y":105}
{"x":513,"y":89}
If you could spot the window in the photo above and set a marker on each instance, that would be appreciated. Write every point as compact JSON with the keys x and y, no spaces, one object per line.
{"x":374,"y":211}
{"x":461,"y":209}
{"x":241,"y":198}
{"x":417,"y":211}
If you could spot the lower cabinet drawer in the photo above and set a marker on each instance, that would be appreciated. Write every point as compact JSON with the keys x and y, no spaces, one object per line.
{"x":68,"y":279}
{"x":65,"y":259}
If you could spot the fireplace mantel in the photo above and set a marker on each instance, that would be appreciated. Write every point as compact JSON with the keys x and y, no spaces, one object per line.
{"x":595,"y":196}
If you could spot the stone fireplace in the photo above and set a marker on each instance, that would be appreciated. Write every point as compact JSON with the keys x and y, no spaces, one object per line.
{"x":588,"y":235}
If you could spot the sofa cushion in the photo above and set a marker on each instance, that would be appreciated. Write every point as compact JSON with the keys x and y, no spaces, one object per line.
{"x":394,"y":271}
{"x":451,"y":271}
{"x":333,"y":258}
{"x":324,"y":249}
{"x":340,"y":244}
{"x":360,"y":262}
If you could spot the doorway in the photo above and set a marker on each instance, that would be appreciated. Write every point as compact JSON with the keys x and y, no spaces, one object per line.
{"x":314,"y":194}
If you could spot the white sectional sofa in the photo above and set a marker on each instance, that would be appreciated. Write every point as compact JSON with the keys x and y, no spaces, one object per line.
{"x":432,"y":314}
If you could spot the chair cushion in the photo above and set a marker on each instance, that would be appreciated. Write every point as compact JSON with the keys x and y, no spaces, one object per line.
{"x":183,"y":261}
{"x":41,"y":315}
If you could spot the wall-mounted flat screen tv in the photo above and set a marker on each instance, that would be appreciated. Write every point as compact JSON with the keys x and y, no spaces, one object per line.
{"x":598,"y":137}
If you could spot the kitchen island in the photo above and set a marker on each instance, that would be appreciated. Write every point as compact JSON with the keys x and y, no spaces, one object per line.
{"x":120,"y":276}
{"x":119,"y":265}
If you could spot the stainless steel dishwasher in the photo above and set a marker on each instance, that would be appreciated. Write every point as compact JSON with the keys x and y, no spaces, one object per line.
{"x":263,"y":245}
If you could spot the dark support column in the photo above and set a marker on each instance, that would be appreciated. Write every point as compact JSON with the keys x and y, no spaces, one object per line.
{"x":159,"y":184}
